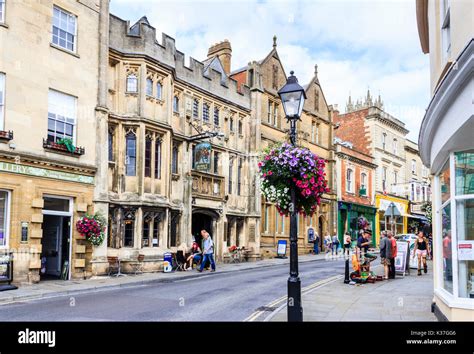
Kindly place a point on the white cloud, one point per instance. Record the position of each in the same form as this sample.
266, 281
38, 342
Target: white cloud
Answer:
356, 44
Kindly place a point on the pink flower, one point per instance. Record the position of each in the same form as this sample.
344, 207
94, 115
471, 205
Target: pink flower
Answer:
270, 173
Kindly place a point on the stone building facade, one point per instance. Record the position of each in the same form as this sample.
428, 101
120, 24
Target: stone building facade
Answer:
48, 95
114, 123
155, 195
315, 132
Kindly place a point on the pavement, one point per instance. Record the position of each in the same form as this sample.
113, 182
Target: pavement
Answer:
405, 298
53, 288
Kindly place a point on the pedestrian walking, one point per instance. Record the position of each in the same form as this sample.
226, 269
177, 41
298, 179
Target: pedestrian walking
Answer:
327, 242
422, 248
208, 251
393, 255
385, 253
316, 244
347, 243
335, 245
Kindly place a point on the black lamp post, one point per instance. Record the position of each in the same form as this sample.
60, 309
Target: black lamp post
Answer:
292, 96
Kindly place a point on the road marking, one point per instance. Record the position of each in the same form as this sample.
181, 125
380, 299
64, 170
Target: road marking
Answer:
304, 290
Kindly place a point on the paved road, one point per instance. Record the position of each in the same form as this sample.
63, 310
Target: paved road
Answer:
209, 297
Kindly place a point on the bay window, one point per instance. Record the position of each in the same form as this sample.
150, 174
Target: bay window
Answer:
132, 83
149, 87
205, 112
159, 90
176, 104
157, 158
148, 142
131, 154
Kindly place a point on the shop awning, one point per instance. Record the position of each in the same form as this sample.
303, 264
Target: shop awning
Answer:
413, 216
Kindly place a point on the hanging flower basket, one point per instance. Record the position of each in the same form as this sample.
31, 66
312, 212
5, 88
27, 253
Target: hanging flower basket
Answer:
93, 228
286, 165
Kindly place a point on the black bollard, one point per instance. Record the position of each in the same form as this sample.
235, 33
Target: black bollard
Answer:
346, 276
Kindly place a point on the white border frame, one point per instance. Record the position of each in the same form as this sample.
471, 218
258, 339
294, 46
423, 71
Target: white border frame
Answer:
7, 219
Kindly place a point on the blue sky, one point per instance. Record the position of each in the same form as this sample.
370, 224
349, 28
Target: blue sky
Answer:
356, 44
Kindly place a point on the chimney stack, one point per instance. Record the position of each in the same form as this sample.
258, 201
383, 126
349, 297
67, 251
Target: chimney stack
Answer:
223, 51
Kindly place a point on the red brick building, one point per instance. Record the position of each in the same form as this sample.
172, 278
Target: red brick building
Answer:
356, 171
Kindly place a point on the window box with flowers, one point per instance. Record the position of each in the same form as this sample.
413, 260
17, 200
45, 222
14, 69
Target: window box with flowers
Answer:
63, 146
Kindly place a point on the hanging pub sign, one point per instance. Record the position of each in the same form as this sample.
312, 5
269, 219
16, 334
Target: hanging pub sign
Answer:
202, 157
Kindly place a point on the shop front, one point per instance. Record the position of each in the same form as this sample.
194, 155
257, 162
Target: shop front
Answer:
38, 211
447, 147
384, 220
354, 217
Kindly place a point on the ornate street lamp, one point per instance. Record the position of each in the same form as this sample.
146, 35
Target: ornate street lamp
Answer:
292, 96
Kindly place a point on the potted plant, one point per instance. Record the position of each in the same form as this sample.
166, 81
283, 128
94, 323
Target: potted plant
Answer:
286, 165
66, 142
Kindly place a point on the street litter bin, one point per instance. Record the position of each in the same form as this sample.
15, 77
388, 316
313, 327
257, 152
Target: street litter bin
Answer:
167, 262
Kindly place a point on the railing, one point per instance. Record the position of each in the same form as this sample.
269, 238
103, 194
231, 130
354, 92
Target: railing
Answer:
50, 145
6, 135
208, 186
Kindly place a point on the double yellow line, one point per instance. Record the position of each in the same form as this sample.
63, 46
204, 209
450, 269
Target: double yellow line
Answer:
274, 303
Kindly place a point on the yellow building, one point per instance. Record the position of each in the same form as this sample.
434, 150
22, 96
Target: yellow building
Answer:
398, 224
48, 95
